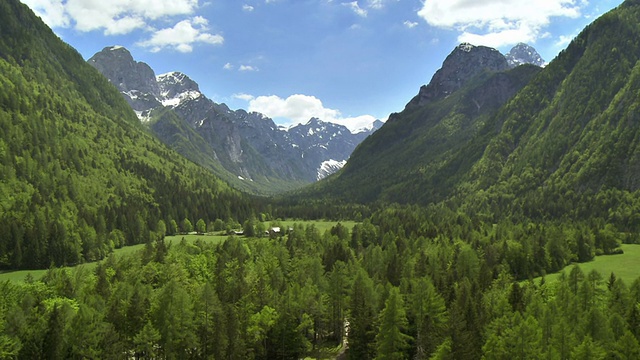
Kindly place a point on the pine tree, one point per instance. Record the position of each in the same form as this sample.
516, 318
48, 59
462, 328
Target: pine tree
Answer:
391, 341
361, 317
430, 313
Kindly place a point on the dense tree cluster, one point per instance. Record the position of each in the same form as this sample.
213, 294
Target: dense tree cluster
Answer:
405, 283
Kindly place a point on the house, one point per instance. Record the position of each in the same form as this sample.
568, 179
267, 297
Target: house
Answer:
274, 231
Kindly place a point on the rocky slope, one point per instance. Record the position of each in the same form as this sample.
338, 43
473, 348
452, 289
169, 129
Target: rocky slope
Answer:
249, 145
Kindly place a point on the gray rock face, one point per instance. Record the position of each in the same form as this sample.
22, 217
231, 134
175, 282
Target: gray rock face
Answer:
524, 54
249, 145
136, 80
467, 61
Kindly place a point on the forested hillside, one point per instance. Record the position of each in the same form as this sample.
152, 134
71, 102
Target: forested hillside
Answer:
568, 143
80, 175
419, 155
564, 143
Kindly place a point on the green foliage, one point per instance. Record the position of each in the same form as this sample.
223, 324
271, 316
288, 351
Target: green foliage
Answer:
392, 342
80, 175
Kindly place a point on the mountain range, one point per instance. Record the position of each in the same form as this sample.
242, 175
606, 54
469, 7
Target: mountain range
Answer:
246, 148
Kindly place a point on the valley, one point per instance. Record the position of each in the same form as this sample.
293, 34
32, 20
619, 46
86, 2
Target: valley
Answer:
500, 170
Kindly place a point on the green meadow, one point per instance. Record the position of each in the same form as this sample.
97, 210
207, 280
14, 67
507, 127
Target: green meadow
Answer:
625, 266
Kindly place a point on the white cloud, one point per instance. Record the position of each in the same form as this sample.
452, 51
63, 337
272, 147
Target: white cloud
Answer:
497, 22
298, 109
118, 17
410, 24
228, 66
565, 40
243, 96
52, 12
247, 68
356, 8
247, 7
113, 17
182, 36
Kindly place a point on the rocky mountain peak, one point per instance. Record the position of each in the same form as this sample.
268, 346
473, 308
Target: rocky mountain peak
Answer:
524, 54
174, 83
176, 87
136, 80
117, 64
465, 62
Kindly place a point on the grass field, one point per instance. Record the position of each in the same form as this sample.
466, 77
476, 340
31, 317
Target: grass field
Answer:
19, 276
322, 226
625, 266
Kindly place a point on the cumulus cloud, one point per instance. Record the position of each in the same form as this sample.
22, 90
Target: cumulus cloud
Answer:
228, 66
182, 36
298, 109
247, 7
52, 12
113, 17
118, 17
497, 22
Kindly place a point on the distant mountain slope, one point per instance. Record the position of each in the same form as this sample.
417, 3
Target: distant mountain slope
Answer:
80, 174
254, 153
420, 154
563, 140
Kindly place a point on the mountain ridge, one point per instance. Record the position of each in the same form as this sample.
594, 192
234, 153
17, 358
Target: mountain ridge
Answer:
564, 136
247, 145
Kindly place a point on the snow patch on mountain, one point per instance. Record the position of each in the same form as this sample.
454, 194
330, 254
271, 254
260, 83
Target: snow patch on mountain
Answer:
176, 100
329, 167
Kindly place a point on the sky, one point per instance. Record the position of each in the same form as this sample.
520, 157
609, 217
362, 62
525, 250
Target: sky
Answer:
343, 61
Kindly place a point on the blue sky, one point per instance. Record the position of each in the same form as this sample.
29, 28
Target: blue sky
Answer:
340, 60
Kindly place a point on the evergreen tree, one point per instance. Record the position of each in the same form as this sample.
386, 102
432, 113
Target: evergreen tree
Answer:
361, 317
430, 314
173, 316
392, 342
146, 342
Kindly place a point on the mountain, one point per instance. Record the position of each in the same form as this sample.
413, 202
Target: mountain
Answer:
524, 54
247, 149
563, 140
421, 153
80, 174
463, 64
